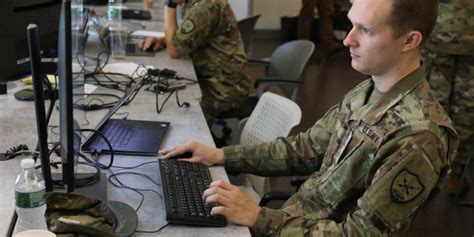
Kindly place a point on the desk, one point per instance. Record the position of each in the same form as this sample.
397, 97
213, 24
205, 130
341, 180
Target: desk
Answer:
17, 126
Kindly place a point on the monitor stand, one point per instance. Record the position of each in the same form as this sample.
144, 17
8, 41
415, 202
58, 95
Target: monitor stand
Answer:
27, 94
97, 190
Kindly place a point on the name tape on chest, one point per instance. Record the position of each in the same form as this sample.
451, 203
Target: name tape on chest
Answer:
367, 131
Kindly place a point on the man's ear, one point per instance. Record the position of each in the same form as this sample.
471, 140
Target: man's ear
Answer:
412, 40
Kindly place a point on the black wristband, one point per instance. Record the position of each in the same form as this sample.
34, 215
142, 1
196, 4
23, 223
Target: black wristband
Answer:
171, 4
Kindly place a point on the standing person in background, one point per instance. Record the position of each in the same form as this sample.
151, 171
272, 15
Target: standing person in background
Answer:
325, 12
209, 35
449, 57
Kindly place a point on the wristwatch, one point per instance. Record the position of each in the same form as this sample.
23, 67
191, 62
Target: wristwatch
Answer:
171, 4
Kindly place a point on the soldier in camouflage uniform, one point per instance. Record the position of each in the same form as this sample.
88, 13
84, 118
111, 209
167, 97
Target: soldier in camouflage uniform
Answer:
374, 158
325, 12
209, 35
449, 56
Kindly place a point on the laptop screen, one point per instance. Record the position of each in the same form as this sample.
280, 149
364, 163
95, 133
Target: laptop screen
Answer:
117, 106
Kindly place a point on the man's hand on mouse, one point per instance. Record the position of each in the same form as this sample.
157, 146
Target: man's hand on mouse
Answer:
151, 44
201, 153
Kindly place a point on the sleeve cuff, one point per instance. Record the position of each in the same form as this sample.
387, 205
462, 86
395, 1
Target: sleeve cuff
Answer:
268, 222
232, 159
181, 48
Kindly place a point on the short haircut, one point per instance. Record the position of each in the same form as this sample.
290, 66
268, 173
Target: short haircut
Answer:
419, 15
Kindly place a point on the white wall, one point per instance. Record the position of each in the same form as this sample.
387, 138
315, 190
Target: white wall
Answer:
272, 10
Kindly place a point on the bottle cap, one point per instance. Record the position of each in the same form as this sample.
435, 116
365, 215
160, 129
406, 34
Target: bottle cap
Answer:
27, 163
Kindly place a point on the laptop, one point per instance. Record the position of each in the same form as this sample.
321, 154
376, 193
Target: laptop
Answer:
136, 14
127, 137
132, 49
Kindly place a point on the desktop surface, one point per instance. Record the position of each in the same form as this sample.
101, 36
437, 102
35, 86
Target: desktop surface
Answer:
18, 127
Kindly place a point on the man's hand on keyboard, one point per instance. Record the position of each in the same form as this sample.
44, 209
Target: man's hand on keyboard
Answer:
232, 203
200, 153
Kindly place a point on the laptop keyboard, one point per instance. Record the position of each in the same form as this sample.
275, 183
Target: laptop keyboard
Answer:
118, 133
132, 49
183, 184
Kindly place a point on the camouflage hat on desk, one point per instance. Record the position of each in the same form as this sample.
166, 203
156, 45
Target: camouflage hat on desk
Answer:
70, 214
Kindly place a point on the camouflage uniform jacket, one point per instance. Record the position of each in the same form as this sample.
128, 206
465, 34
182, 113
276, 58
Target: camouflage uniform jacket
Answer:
454, 30
209, 35
372, 165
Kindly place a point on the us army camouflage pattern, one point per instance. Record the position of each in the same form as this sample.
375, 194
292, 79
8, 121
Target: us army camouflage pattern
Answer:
449, 58
401, 145
454, 29
69, 213
209, 35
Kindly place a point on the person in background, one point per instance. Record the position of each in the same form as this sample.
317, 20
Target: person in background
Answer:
374, 158
326, 31
210, 37
449, 56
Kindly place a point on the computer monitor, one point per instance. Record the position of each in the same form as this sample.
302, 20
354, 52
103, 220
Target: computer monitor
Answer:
69, 125
41, 119
15, 16
70, 139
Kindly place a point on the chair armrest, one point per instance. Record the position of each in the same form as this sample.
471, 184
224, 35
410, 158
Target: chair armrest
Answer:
238, 131
297, 183
259, 62
274, 195
261, 85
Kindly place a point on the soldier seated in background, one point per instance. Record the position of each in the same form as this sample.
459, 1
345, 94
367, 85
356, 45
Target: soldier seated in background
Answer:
209, 35
373, 159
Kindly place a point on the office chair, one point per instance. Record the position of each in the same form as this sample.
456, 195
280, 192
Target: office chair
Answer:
463, 178
274, 116
247, 27
283, 72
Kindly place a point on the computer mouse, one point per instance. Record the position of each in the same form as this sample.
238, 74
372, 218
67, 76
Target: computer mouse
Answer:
184, 155
150, 49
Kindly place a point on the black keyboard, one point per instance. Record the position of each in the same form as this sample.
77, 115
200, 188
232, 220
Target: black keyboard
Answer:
136, 14
183, 184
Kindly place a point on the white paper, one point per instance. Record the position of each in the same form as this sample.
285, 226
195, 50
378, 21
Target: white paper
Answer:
127, 68
89, 88
147, 33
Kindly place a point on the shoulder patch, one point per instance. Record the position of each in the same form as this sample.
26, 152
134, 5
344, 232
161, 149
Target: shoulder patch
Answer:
188, 26
406, 186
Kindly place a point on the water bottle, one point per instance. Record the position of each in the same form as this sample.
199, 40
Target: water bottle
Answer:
117, 33
29, 198
114, 14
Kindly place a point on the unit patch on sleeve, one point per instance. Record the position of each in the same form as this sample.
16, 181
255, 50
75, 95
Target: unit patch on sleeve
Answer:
188, 26
405, 187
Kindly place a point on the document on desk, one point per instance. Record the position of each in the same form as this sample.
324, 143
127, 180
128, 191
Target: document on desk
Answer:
126, 68
143, 34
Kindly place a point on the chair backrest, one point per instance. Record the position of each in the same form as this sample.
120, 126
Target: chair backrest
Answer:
288, 62
246, 27
274, 116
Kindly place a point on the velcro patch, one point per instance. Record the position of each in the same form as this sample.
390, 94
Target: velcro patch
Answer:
405, 187
188, 26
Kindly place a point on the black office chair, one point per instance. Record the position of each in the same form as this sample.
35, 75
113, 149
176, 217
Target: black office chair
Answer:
283, 71
247, 27
458, 198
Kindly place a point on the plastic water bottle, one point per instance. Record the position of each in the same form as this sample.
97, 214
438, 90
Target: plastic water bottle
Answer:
29, 198
114, 14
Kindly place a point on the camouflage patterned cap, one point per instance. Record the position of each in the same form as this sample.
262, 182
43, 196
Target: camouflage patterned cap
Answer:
71, 213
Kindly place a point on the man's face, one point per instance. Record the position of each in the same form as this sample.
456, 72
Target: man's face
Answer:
374, 49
